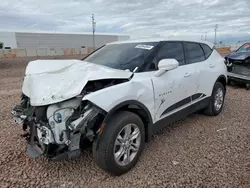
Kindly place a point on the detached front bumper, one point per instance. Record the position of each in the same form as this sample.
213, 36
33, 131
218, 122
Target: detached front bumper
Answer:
22, 116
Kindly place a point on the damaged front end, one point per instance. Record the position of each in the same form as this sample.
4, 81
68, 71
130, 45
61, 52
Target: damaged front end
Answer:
238, 69
54, 112
238, 65
56, 130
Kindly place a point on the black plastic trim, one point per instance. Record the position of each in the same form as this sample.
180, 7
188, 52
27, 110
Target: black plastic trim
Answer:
148, 131
177, 105
197, 95
182, 103
224, 78
180, 114
129, 102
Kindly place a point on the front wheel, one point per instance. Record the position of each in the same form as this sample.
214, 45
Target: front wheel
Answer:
216, 101
120, 144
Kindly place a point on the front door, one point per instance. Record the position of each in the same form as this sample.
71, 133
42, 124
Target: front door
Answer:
174, 89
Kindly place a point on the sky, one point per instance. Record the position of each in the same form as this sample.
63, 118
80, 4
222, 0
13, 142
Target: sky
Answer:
137, 18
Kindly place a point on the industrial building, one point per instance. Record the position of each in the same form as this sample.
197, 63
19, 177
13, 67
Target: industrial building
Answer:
25, 43
55, 39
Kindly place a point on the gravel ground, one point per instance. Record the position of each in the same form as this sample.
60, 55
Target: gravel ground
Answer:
199, 151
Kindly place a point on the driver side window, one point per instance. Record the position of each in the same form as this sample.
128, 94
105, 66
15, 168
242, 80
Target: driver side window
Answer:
170, 50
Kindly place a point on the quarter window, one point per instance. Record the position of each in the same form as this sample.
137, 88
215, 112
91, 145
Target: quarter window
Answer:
194, 52
171, 50
207, 50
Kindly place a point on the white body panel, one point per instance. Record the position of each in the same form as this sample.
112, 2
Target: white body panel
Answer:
52, 81
174, 86
210, 70
139, 88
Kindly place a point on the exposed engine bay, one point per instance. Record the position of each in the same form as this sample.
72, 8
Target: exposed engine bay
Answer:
56, 130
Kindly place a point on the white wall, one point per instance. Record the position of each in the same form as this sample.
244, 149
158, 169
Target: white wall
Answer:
59, 40
9, 39
55, 40
123, 37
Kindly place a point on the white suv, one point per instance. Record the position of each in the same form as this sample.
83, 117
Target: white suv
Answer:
117, 97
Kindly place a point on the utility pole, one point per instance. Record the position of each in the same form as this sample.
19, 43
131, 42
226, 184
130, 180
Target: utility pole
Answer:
93, 28
215, 32
205, 36
201, 37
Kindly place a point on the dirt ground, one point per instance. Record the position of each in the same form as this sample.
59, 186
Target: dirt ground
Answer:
199, 151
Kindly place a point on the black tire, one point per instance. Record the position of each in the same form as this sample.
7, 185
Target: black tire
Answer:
211, 110
103, 146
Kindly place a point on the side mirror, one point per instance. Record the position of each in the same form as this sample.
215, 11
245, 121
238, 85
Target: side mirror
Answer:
166, 65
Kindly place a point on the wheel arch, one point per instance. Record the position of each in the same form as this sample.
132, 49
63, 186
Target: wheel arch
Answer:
222, 79
139, 109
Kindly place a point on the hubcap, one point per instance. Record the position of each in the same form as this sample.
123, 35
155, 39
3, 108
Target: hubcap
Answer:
127, 144
218, 102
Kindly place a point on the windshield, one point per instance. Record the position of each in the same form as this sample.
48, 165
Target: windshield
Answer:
244, 48
122, 56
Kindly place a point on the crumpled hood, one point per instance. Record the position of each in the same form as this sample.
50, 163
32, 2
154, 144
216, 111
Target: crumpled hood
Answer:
238, 55
51, 81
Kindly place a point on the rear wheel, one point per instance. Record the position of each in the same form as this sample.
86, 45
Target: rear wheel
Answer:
216, 101
120, 144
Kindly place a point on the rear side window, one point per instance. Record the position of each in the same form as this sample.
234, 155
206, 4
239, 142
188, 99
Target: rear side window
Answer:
207, 50
194, 52
173, 50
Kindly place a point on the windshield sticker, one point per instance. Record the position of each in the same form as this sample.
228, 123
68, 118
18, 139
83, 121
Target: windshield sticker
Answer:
143, 46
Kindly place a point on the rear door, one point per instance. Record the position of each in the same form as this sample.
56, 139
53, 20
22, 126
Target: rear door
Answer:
194, 58
208, 70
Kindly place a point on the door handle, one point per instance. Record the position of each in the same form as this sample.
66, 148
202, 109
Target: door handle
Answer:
187, 74
211, 65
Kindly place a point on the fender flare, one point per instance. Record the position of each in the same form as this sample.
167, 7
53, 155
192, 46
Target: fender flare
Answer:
125, 103
148, 128
222, 76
